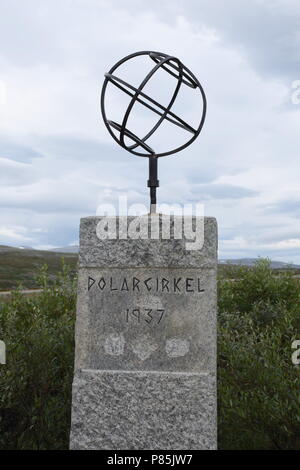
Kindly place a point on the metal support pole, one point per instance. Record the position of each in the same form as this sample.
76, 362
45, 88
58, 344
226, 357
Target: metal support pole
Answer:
153, 182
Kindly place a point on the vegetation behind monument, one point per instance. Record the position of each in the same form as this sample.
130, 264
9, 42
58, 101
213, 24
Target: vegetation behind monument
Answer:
258, 386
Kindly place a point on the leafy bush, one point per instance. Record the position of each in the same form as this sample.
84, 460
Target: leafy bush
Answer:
258, 386
36, 381
260, 283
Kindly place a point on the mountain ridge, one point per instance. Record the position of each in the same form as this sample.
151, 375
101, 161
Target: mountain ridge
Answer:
73, 249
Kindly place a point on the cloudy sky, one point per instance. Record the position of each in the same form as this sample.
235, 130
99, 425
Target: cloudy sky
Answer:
58, 162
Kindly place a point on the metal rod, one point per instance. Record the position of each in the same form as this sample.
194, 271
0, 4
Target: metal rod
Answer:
153, 182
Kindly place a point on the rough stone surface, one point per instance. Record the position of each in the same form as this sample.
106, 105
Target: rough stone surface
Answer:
170, 328
160, 252
143, 410
145, 362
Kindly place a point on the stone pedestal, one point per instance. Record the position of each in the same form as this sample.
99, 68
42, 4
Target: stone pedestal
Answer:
145, 362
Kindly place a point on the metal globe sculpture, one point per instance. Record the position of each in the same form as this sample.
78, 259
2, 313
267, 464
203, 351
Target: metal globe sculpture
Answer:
139, 145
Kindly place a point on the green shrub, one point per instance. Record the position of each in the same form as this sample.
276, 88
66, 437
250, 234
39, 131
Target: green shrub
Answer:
36, 381
259, 283
258, 386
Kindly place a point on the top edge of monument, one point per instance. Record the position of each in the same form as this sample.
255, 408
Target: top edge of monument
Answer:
160, 241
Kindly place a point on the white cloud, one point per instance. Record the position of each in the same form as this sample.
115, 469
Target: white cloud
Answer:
3, 93
244, 163
14, 233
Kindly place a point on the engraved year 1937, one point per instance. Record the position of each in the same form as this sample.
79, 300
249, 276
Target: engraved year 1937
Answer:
148, 315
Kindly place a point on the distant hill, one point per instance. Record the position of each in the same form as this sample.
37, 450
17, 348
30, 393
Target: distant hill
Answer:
5, 248
238, 262
66, 249
251, 262
21, 265
74, 249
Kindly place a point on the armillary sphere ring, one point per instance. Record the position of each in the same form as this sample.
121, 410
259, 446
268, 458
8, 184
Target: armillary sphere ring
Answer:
177, 69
